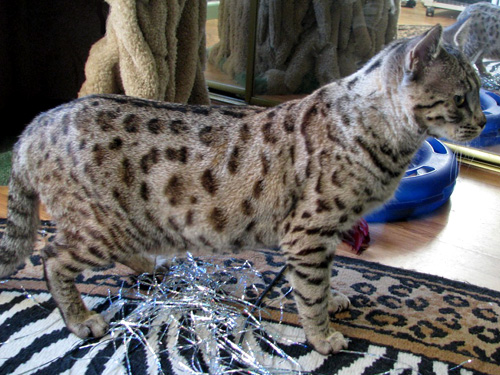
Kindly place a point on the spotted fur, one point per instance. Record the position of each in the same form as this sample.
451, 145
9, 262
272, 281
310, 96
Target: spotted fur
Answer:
125, 178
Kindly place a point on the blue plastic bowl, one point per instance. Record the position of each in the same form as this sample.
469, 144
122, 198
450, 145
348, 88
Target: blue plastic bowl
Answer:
427, 184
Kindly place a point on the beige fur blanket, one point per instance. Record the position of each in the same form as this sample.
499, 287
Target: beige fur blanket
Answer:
152, 49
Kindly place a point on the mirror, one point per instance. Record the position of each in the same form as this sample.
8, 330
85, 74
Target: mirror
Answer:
265, 52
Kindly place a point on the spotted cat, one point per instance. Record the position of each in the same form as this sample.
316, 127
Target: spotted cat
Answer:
126, 178
477, 30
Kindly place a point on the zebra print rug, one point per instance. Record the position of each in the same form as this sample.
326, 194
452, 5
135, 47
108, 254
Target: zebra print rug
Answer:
400, 323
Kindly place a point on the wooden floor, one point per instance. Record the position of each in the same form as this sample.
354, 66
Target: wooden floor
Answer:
459, 241
416, 16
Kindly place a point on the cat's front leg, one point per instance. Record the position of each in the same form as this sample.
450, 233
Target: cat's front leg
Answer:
309, 253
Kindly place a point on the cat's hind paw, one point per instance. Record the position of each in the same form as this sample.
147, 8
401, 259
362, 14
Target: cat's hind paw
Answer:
162, 264
337, 302
334, 343
93, 326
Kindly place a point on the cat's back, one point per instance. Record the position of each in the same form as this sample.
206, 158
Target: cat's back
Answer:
96, 116
97, 129
482, 11
96, 145
484, 25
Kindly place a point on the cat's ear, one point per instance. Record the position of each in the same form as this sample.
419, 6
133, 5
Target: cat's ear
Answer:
424, 50
460, 36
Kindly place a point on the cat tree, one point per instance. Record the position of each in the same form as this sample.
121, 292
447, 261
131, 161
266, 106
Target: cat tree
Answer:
152, 49
301, 45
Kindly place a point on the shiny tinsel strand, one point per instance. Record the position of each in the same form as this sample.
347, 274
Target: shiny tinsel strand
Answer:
491, 80
206, 305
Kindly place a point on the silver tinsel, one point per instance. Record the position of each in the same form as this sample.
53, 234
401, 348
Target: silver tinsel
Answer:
491, 81
207, 307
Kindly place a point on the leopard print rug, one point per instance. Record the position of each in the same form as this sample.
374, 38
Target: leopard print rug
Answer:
401, 322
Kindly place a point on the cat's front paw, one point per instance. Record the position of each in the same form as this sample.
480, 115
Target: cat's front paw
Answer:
332, 344
337, 302
93, 326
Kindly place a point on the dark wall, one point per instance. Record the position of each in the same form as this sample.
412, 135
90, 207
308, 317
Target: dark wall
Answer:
43, 49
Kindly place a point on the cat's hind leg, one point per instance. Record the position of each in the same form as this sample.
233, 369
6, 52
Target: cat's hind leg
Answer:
61, 266
145, 263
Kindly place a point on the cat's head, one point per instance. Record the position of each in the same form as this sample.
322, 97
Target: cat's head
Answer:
442, 87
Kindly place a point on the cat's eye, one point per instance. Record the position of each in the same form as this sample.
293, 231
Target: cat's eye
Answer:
459, 100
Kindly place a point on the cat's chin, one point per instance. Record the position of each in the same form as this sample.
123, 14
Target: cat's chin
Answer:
439, 134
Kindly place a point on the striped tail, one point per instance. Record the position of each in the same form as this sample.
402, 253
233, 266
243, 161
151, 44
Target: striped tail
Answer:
22, 224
